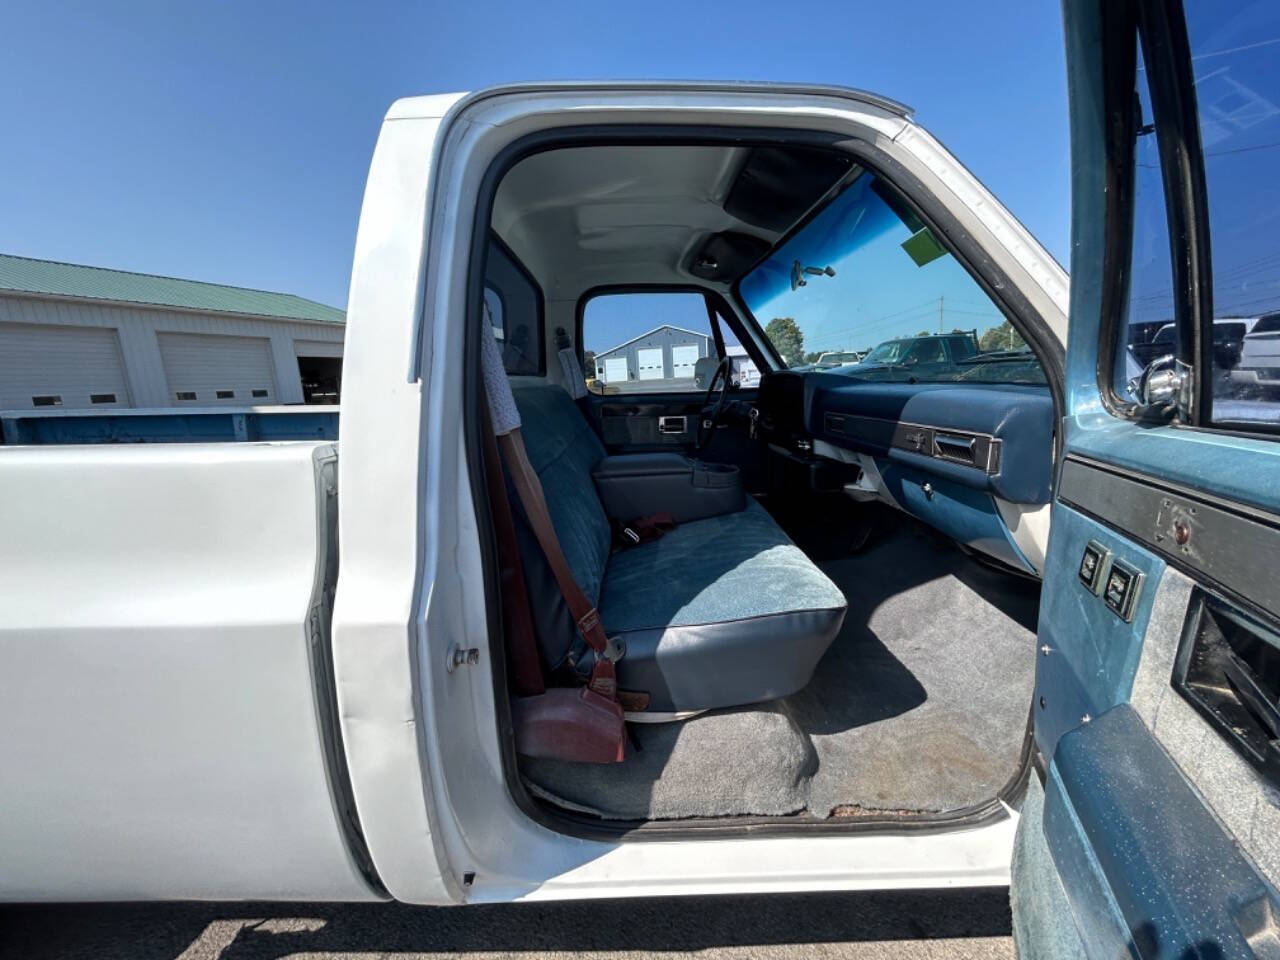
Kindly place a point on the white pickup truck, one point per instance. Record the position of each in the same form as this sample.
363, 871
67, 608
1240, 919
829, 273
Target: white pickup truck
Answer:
818, 610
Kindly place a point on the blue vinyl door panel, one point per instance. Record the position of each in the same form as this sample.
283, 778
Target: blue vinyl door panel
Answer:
1147, 867
1162, 833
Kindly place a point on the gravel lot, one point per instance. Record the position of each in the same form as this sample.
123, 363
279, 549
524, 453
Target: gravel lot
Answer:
922, 924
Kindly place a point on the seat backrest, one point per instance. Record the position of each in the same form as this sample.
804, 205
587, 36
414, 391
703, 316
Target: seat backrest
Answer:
563, 450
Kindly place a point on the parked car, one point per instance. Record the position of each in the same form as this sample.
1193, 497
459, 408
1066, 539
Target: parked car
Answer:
1001, 366
403, 665
1258, 358
1229, 336
1164, 342
838, 358
924, 356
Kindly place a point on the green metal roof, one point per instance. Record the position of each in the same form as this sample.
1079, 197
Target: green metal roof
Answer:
50, 278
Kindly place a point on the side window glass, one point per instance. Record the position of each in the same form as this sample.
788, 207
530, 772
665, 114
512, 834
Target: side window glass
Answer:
513, 307
1237, 83
1148, 333
646, 342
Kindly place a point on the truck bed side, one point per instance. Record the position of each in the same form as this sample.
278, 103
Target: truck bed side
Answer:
164, 608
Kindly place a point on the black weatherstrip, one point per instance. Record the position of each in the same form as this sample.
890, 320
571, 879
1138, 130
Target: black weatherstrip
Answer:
324, 678
1173, 99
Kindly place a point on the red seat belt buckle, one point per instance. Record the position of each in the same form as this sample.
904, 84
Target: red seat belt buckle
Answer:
604, 679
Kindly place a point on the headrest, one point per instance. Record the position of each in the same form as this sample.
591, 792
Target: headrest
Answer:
502, 405
574, 381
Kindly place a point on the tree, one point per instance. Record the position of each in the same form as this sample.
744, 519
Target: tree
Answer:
1003, 337
923, 333
787, 338
589, 363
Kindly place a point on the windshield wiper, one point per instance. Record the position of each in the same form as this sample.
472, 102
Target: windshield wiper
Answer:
1002, 357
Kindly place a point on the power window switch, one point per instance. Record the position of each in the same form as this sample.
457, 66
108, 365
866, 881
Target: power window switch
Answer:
1121, 594
1093, 565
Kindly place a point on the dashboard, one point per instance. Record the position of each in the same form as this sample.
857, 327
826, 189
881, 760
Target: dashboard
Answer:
970, 459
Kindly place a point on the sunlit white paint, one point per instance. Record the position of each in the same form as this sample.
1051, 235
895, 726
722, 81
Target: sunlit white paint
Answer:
156, 696
160, 728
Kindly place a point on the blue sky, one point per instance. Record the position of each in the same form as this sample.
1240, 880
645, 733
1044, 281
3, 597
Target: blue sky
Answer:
229, 141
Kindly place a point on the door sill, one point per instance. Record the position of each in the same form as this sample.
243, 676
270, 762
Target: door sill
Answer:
954, 857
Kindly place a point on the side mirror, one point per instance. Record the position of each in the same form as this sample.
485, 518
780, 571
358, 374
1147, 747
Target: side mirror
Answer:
703, 371
1156, 384
1164, 383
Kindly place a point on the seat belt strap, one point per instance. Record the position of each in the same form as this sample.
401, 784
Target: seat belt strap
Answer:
585, 616
522, 644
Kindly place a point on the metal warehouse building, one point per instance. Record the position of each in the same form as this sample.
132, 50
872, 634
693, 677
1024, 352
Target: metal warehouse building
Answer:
87, 338
664, 353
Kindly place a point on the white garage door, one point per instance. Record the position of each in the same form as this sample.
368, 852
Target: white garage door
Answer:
318, 348
649, 362
615, 369
56, 366
683, 359
216, 369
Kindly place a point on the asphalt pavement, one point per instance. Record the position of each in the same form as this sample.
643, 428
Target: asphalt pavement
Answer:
956, 925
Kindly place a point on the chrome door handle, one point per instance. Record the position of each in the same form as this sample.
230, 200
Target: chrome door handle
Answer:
672, 424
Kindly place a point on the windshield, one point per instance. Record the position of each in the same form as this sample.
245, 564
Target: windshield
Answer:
867, 274
890, 352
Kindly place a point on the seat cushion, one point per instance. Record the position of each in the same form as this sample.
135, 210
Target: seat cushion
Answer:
719, 612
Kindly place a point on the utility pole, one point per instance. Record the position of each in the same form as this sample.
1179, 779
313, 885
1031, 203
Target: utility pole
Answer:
940, 299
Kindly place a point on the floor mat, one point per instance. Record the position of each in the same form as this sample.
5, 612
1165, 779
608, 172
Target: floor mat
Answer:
920, 704
750, 760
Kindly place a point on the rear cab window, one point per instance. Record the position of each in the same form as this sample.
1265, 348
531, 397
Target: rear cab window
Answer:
513, 307
866, 278
656, 342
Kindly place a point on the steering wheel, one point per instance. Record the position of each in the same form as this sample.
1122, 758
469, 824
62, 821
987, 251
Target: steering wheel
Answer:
711, 413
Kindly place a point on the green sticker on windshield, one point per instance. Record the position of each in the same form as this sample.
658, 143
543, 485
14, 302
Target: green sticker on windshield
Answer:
922, 247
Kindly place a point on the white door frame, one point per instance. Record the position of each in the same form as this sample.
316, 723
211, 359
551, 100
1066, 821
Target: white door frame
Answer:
454, 808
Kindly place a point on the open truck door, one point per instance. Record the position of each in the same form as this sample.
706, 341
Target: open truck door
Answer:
1155, 711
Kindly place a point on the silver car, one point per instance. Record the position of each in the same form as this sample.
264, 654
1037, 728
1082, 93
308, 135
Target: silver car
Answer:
1260, 354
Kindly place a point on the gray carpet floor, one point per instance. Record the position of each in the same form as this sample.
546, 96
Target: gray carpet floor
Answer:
920, 705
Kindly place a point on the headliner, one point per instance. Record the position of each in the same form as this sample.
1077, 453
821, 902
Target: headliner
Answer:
580, 217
